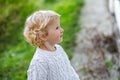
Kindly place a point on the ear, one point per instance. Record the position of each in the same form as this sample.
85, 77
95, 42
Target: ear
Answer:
42, 36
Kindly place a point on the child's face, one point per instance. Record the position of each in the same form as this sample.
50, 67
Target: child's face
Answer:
55, 32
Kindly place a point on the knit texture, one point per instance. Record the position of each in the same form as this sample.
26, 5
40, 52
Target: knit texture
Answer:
51, 65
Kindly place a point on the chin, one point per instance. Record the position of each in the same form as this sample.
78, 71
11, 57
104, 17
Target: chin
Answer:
60, 40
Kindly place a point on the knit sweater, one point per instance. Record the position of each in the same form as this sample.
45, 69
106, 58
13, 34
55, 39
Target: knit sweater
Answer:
51, 65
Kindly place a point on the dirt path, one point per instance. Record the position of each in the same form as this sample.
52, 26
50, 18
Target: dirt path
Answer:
95, 19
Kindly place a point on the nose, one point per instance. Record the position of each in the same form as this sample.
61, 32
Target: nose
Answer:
62, 30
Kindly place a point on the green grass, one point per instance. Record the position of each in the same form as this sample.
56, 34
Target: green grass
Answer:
15, 59
109, 64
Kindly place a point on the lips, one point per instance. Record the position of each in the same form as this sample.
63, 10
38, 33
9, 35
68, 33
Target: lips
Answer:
61, 36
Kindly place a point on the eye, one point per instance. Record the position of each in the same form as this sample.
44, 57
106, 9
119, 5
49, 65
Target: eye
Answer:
57, 27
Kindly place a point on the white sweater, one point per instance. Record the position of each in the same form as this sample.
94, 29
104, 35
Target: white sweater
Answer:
51, 65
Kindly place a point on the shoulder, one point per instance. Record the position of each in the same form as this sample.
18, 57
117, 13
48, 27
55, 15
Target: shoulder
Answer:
39, 57
36, 63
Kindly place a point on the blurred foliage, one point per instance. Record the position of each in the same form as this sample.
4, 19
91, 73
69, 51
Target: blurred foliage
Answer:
12, 17
109, 64
118, 78
15, 52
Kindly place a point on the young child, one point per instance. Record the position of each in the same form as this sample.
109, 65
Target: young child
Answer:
50, 62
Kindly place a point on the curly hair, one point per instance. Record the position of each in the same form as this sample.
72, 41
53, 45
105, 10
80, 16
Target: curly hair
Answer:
36, 23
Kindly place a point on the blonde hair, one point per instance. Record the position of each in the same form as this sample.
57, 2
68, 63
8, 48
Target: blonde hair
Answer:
37, 22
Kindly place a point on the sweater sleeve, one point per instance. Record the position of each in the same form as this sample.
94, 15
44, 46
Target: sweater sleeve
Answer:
37, 71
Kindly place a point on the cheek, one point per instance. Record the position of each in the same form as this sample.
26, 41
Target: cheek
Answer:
54, 35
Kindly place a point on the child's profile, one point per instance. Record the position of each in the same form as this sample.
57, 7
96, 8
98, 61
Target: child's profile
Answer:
50, 62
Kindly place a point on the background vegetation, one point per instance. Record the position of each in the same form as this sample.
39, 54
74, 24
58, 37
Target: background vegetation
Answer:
15, 52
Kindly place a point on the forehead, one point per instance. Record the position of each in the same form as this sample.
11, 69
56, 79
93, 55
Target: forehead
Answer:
53, 23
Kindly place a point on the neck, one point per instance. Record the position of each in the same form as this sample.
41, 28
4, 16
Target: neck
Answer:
48, 46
